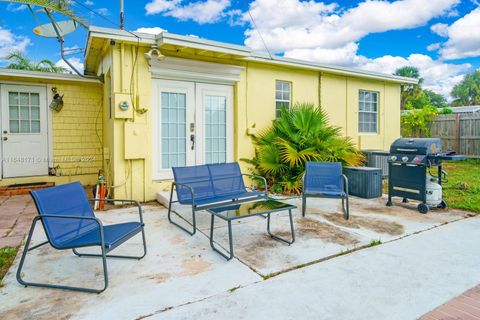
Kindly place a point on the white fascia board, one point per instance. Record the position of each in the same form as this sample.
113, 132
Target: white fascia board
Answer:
202, 44
44, 75
121, 35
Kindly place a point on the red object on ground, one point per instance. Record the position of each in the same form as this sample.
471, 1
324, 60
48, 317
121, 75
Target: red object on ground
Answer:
465, 306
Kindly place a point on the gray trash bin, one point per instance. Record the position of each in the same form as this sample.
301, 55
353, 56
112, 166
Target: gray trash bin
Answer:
364, 182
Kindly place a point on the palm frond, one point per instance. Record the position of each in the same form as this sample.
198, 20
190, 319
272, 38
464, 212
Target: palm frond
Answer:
59, 6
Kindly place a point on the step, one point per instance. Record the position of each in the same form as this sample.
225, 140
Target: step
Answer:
24, 188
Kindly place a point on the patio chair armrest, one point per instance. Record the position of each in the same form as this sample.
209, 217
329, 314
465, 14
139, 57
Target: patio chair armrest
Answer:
192, 192
345, 183
258, 177
303, 182
137, 203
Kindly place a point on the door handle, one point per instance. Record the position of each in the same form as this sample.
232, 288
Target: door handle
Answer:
192, 139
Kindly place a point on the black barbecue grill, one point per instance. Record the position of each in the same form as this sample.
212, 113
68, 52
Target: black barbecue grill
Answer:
408, 163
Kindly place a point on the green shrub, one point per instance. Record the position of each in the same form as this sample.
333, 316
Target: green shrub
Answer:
446, 110
299, 135
417, 122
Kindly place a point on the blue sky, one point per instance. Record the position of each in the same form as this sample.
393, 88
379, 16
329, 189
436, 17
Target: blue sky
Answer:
440, 37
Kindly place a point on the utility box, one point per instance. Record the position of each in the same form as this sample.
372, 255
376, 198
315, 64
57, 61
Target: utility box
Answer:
136, 144
377, 159
364, 182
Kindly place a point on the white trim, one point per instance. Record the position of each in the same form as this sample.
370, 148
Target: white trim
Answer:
193, 70
188, 88
202, 89
49, 126
44, 75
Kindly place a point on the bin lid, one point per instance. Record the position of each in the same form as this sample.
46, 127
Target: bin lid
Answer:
363, 168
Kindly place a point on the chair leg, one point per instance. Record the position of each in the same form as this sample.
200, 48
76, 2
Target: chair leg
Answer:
46, 285
345, 207
173, 222
113, 255
304, 205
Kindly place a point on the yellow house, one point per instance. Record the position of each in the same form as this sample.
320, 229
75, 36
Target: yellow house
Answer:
171, 100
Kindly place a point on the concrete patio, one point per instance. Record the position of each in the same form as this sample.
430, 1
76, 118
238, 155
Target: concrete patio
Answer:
181, 277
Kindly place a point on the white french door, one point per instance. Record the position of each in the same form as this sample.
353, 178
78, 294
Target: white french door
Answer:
24, 142
193, 124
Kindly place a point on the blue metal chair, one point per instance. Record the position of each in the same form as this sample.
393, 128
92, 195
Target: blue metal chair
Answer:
210, 185
325, 180
70, 223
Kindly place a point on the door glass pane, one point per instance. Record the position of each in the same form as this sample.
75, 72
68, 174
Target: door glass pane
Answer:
24, 112
215, 129
34, 99
13, 98
173, 129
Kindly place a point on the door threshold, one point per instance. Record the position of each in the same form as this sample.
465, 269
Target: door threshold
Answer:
23, 188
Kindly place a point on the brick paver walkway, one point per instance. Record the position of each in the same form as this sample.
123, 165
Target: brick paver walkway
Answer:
16, 214
464, 307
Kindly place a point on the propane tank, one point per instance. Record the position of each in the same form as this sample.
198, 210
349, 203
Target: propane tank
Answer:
434, 191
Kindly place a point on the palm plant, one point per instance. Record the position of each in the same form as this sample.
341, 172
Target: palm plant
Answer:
299, 135
19, 61
59, 6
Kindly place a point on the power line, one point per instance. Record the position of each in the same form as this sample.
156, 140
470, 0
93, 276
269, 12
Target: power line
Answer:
259, 33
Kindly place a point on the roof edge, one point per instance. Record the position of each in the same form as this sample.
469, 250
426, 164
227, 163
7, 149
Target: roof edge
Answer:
244, 52
44, 75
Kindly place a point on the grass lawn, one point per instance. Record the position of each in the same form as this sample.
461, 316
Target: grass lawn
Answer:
7, 255
462, 191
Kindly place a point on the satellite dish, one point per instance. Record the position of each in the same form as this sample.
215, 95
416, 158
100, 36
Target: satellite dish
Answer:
48, 31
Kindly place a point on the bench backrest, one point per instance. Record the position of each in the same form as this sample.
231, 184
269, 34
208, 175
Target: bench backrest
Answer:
68, 200
326, 176
208, 181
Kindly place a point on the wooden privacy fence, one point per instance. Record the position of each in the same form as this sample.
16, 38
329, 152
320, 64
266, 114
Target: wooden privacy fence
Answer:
459, 132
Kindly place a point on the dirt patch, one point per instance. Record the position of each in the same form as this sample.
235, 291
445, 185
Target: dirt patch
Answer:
357, 222
56, 304
194, 266
158, 277
176, 240
256, 253
310, 228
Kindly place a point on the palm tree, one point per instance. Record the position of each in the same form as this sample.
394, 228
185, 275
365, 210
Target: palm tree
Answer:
409, 90
19, 61
299, 135
467, 92
59, 6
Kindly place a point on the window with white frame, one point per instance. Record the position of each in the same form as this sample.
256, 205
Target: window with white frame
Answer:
367, 111
282, 96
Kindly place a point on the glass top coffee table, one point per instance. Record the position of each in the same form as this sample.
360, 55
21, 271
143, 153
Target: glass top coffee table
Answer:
245, 210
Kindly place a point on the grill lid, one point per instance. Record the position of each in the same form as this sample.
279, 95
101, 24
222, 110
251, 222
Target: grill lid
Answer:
423, 146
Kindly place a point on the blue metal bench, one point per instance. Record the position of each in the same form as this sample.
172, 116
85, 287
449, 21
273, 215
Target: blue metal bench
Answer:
325, 180
70, 223
210, 185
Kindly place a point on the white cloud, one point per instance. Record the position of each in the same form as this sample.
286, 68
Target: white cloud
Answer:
89, 3
202, 12
103, 11
438, 75
463, 37
309, 24
440, 29
152, 30
433, 46
12, 7
76, 62
10, 42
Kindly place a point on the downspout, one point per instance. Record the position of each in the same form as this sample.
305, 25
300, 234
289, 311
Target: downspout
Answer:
62, 53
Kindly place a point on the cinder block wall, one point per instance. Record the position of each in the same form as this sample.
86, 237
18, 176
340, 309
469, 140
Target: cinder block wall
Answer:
78, 130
